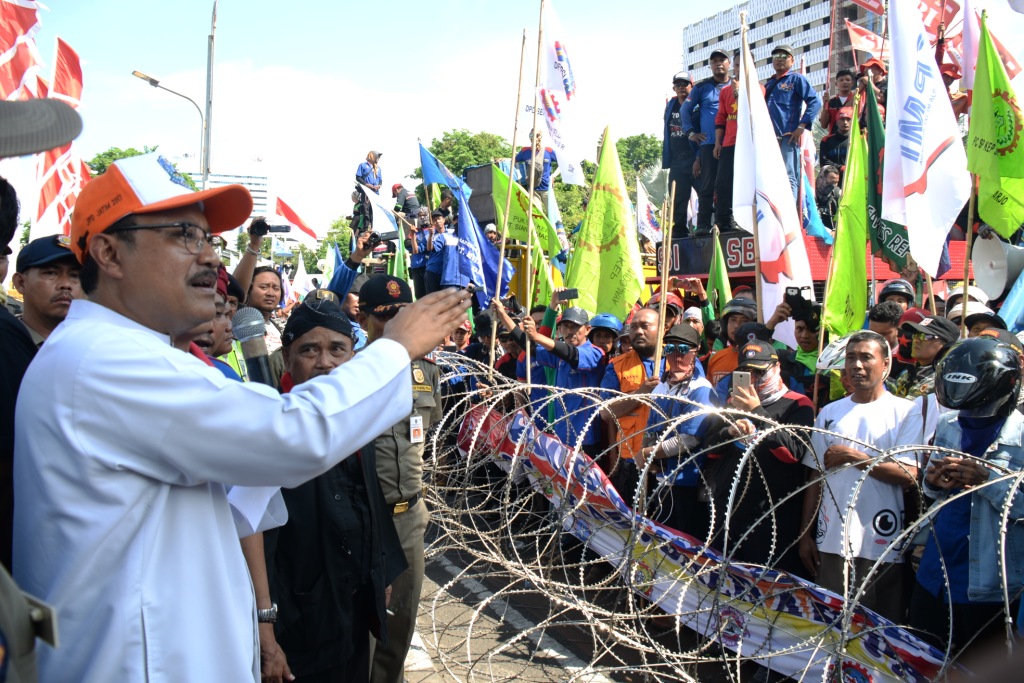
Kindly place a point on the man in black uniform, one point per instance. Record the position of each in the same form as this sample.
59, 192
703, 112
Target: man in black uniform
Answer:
678, 153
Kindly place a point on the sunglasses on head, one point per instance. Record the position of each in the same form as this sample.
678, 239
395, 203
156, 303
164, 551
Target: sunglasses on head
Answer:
681, 349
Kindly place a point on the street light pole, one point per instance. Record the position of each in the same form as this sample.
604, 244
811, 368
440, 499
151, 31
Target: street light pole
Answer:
208, 121
202, 121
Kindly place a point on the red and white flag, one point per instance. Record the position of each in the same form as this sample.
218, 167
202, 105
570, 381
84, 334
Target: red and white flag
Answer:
867, 41
925, 181
761, 188
19, 59
60, 173
304, 234
876, 6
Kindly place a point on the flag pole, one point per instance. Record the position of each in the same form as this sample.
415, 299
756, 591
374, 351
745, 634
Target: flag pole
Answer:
533, 180
753, 207
821, 323
666, 246
967, 257
508, 207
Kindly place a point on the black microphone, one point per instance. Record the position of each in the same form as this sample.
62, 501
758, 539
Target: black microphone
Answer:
249, 329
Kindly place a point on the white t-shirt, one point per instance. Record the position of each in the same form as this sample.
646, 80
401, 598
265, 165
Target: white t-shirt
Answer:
876, 517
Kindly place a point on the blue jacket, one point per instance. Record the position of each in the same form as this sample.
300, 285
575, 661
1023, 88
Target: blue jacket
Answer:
699, 395
704, 97
785, 97
574, 408
988, 503
666, 145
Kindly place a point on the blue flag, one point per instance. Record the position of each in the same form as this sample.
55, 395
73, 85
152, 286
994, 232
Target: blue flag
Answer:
1012, 309
811, 218
434, 172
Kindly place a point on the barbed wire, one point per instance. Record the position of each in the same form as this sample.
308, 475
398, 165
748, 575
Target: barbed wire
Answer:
539, 525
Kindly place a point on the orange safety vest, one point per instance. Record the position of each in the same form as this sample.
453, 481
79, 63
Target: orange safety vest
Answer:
630, 428
722, 363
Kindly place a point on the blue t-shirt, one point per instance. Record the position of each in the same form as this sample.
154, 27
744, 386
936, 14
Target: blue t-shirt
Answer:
704, 97
525, 156
577, 408
700, 392
435, 255
451, 274
420, 260
366, 175
952, 524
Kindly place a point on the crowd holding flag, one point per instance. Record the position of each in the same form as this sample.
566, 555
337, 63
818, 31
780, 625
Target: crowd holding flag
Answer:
925, 179
606, 267
994, 150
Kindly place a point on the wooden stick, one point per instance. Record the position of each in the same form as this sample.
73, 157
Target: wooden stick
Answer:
931, 299
504, 221
533, 181
666, 250
967, 261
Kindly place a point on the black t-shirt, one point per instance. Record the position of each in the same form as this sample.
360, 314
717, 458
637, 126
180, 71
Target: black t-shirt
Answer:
678, 143
833, 150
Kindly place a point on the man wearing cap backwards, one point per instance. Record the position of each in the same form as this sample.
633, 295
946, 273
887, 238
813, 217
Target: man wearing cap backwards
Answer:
329, 566
677, 502
124, 525
859, 511
792, 106
763, 528
704, 97
578, 364
400, 471
678, 153
47, 278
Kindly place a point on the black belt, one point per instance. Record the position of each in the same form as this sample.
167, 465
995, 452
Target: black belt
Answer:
405, 505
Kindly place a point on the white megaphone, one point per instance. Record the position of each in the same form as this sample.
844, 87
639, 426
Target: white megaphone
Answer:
997, 265
321, 265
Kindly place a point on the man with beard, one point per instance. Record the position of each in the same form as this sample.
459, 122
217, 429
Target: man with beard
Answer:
858, 499
47, 278
677, 393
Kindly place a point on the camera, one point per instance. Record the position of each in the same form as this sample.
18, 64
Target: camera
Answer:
259, 227
373, 240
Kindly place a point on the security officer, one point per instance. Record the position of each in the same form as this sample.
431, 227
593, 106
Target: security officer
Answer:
47, 279
400, 472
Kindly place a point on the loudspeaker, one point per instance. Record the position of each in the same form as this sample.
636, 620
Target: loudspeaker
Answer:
480, 202
997, 265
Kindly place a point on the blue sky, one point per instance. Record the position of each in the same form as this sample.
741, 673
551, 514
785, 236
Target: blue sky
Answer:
303, 90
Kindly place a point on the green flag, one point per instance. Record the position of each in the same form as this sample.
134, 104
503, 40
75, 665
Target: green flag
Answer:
994, 150
846, 297
399, 265
719, 290
518, 219
888, 240
606, 265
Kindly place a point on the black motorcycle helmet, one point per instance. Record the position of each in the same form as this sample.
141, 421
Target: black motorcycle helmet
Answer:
899, 287
980, 377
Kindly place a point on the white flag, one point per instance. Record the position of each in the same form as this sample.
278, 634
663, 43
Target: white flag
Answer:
925, 181
970, 42
646, 220
761, 185
556, 100
302, 284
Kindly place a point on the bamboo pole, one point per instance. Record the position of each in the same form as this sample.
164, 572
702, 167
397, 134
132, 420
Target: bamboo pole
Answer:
967, 259
533, 181
508, 207
666, 250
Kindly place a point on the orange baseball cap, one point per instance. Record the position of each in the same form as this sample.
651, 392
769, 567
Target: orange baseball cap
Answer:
149, 184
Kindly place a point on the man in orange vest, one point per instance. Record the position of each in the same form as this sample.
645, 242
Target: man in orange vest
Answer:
632, 373
738, 311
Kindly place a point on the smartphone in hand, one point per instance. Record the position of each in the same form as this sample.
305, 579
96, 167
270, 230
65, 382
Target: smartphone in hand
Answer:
569, 294
741, 378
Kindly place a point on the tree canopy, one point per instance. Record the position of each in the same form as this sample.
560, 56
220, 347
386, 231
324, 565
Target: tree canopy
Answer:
460, 149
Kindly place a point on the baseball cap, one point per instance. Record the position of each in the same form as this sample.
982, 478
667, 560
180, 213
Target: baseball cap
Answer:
718, 52
222, 281
950, 70
671, 299
235, 288
943, 328
693, 313
993, 319
490, 228
846, 113
913, 315
30, 126
1004, 336
788, 49
575, 314
149, 183
436, 213
44, 250
682, 76
383, 293
466, 325
395, 188
753, 331
681, 333
874, 61
757, 355
740, 305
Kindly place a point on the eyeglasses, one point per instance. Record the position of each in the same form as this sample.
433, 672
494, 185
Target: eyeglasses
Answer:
192, 236
921, 336
681, 349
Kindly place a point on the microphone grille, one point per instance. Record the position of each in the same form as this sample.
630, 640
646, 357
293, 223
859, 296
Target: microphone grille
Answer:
248, 324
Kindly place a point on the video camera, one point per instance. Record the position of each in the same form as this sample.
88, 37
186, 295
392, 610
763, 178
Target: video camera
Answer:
259, 227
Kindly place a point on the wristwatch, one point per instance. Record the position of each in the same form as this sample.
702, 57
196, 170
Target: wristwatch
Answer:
267, 616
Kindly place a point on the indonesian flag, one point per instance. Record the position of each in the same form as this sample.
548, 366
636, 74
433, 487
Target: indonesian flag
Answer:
761, 188
60, 172
925, 181
19, 58
304, 234
866, 41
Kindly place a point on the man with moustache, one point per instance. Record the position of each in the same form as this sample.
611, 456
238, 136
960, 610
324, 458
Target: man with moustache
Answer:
47, 278
122, 521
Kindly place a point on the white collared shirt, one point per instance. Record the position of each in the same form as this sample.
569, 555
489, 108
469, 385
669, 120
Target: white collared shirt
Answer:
123, 448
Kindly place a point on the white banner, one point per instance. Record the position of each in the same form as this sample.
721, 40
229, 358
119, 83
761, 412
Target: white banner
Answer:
646, 220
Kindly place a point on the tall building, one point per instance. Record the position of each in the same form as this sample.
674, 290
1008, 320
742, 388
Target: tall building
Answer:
256, 184
815, 29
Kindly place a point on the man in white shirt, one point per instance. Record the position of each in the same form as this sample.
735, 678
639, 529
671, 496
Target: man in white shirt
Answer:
121, 452
859, 502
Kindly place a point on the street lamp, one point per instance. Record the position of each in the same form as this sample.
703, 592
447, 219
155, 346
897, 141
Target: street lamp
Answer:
202, 119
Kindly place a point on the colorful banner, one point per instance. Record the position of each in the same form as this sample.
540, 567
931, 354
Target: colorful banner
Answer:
774, 617
646, 216
518, 220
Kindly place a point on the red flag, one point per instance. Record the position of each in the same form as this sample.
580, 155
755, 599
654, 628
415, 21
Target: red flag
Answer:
289, 215
867, 41
19, 21
876, 6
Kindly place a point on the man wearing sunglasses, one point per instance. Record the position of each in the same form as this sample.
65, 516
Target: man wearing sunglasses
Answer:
792, 106
126, 445
932, 338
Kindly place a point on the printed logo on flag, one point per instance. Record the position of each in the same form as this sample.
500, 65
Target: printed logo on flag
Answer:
566, 70
1008, 121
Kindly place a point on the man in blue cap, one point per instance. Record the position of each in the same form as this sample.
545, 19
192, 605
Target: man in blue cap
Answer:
47, 279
